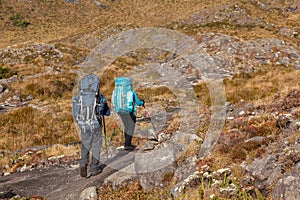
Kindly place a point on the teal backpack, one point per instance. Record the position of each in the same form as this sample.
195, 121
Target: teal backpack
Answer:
122, 97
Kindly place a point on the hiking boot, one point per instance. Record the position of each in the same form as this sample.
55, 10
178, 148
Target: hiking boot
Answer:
96, 171
83, 171
129, 147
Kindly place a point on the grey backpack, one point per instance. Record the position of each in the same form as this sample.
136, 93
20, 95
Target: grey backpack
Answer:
85, 104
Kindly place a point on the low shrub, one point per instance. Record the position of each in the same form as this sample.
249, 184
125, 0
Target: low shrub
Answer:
27, 127
48, 87
19, 20
6, 72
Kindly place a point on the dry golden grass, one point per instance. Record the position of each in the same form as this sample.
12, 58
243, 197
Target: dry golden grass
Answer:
28, 126
292, 138
192, 194
202, 93
46, 86
192, 150
29, 69
296, 112
59, 150
51, 122
131, 190
258, 88
48, 17
173, 124
4, 161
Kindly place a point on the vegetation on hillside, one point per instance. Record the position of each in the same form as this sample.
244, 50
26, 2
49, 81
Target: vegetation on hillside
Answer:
74, 29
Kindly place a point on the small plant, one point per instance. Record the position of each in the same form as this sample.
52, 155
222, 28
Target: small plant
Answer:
218, 24
238, 153
18, 20
225, 182
202, 184
202, 93
259, 195
6, 72
167, 178
199, 144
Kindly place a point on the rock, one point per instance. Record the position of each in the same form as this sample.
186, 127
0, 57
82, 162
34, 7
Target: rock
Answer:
149, 145
249, 107
288, 32
101, 5
12, 79
6, 174
16, 98
283, 121
295, 125
121, 177
288, 185
74, 166
154, 166
163, 137
247, 180
219, 174
188, 167
53, 160
205, 168
152, 135
229, 107
225, 48
230, 191
71, 1
216, 184
242, 113
207, 175
1, 88
193, 180
89, 194
265, 171
16, 197
29, 97
258, 139
184, 139
24, 168
40, 54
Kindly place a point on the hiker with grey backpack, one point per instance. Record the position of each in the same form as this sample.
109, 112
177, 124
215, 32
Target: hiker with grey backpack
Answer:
89, 109
124, 102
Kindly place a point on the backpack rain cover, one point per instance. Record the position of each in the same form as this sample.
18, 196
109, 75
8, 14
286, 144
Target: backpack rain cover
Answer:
122, 97
84, 105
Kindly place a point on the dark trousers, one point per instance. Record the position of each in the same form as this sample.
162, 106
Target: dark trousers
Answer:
129, 120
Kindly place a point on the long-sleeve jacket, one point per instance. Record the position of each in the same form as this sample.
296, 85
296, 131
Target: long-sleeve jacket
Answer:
136, 101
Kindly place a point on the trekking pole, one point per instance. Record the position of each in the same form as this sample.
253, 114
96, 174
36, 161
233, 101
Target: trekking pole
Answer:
105, 136
149, 116
114, 131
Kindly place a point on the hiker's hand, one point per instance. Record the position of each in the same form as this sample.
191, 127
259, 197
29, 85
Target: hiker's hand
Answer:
143, 103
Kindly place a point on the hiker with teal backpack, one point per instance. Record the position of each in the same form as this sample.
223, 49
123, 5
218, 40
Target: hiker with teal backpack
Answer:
124, 102
89, 109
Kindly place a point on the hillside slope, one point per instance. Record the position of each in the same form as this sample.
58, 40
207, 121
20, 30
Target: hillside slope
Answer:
252, 46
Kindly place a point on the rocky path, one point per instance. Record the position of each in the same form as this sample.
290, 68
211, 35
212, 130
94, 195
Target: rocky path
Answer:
60, 181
